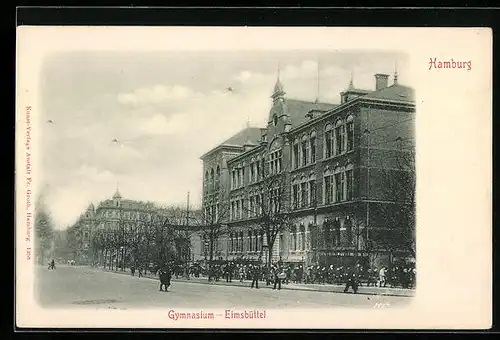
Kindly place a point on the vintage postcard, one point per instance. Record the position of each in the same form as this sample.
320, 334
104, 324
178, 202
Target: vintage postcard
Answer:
225, 177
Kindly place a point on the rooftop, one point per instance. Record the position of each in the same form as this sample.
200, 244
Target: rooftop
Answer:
251, 134
394, 92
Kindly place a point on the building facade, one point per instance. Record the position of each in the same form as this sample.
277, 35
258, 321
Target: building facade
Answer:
132, 223
337, 161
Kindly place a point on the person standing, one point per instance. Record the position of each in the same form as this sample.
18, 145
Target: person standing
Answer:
279, 275
165, 277
256, 273
382, 277
352, 280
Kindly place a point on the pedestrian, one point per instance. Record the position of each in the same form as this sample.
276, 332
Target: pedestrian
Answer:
382, 277
132, 270
241, 273
352, 280
140, 271
256, 273
165, 277
279, 276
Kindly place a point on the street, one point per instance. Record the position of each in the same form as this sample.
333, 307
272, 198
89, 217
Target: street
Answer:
84, 287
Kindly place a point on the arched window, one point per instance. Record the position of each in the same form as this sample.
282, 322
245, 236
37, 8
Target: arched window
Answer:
304, 151
350, 132
295, 154
250, 241
212, 182
302, 237
314, 236
349, 181
339, 137
336, 232
327, 235
348, 228
340, 183
328, 141
304, 192
312, 143
293, 235
242, 245
231, 242
217, 178
328, 187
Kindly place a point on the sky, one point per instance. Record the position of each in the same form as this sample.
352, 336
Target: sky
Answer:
166, 109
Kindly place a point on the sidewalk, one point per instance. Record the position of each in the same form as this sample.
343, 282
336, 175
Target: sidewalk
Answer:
387, 291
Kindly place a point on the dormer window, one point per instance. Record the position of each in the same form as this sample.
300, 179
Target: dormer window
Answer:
275, 119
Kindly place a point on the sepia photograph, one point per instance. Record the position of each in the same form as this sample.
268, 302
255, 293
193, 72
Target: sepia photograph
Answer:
224, 184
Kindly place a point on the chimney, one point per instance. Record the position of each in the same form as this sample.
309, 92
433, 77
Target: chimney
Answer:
381, 81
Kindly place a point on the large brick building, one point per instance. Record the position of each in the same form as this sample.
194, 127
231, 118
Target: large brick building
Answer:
337, 160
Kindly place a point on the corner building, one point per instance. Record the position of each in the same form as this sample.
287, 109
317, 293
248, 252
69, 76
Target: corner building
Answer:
334, 157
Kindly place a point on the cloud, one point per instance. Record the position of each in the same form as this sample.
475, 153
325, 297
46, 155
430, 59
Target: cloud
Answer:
155, 94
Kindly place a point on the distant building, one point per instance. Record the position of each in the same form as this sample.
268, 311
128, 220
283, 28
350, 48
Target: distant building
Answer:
121, 216
334, 156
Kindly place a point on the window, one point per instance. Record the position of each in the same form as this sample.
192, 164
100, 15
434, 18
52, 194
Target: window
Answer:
275, 159
349, 231
295, 195
328, 141
350, 133
242, 183
212, 182
312, 142
293, 235
238, 209
242, 246
349, 184
258, 203
296, 154
340, 139
312, 192
251, 207
337, 233
327, 234
258, 168
217, 178
275, 119
329, 186
304, 151
303, 194
302, 237
250, 243
339, 186
252, 172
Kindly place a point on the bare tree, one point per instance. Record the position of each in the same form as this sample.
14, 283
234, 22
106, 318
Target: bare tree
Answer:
211, 220
395, 231
273, 206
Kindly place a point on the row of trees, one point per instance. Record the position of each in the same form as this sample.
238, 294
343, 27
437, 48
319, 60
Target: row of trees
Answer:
44, 232
159, 236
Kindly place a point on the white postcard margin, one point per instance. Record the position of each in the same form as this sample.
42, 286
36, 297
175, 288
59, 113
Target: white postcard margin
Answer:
454, 177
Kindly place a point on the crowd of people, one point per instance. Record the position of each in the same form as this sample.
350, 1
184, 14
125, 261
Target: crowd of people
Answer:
396, 276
